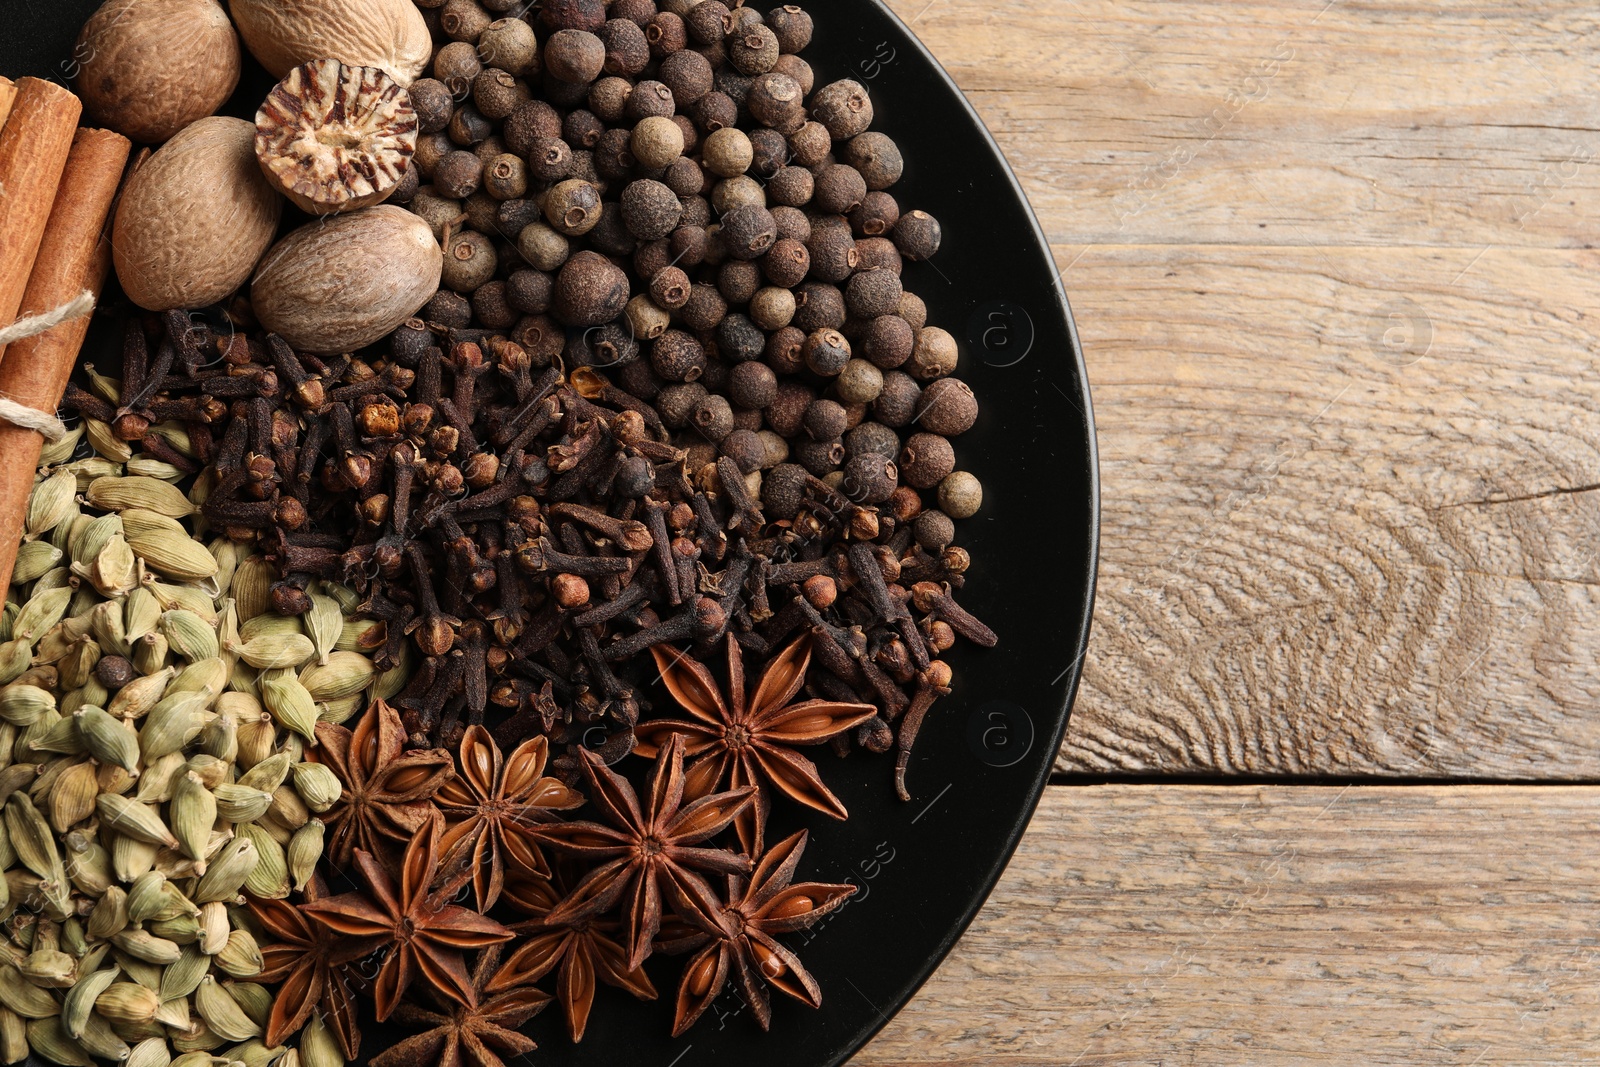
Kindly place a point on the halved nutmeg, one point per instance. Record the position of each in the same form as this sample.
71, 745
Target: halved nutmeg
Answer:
335, 138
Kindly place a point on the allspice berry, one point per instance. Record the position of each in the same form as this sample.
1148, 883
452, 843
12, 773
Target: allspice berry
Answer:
574, 56
839, 189
792, 26
670, 288
826, 352
777, 101
917, 235
678, 357
872, 293
650, 210
433, 104
753, 51
728, 152
497, 94
506, 177
572, 207
469, 261
888, 341
877, 158
543, 247
749, 232
870, 478
510, 45
752, 385
960, 495
656, 142
590, 290
926, 459
934, 530
859, 383
948, 407
934, 355
898, 398
844, 109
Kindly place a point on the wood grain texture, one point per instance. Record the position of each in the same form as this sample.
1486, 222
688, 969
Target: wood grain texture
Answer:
1278, 926
1330, 263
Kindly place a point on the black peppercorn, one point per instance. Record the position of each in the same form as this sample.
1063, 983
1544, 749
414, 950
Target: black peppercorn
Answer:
917, 235
792, 26
493, 309
826, 352
530, 124
844, 108
650, 210
739, 340
788, 408
824, 420
433, 103
574, 56
897, 401
627, 51
753, 50
871, 293
650, 98
678, 357
948, 407
752, 385
590, 290
839, 189
749, 231
704, 308
689, 76
776, 100
926, 460
666, 34
714, 111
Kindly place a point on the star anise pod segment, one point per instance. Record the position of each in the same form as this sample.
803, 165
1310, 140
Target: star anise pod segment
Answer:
472, 1034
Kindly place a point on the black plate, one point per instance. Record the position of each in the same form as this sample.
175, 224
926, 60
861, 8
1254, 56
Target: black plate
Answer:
923, 868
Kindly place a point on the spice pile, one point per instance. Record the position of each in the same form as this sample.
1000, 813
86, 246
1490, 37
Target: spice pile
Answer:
595, 383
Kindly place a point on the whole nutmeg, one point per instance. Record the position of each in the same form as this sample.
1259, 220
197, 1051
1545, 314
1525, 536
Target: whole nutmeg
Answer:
195, 219
340, 284
128, 79
389, 34
336, 138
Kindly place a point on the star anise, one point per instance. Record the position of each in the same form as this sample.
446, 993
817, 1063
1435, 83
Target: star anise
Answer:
386, 789
580, 951
739, 740
743, 944
471, 1033
491, 806
424, 932
309, 963
645, 852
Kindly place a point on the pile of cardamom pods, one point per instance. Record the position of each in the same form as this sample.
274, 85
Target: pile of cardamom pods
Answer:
154, 716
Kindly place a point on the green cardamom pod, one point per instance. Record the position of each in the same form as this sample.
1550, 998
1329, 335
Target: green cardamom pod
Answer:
208, 676
51, 503
144, 897
222, 1013
143, 945
212, 771
23, 997
114, 571
304, 852
198, 1058
198, 1037
141, 614
93, 536
150, 494
272, 625
35, 845
132, 819
79, 1001
317, 785
151, 1052
256, 1000
252, 1053
78, 666
88, 864
241, 956
53, 454
25, 705
189, 635
48, 1038
174, 555
220, 738
269, 879
360, 635
131, 857
15, 658
127, 1002
214, 927
258, 736
107, 739
252, 588
143, 466
179, 929
13, 1037
268, 774
71, 799
318, 1046
141, 971
44, 609
193, 813
289, 703
240, 803
101, 1041
342, 675
226, 873
62, 738
270, 652
183, 977
110, 914
287, 808
33, 560
150, 653
134, 700
172, 724
324, 623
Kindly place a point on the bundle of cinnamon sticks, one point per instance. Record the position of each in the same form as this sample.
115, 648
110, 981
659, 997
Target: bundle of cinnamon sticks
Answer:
58, 185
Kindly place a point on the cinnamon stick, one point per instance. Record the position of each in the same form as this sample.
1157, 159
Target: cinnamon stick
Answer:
8, 96
75, 255
33, 152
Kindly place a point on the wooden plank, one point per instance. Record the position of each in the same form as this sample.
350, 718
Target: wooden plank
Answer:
1287, 121
1304, 566
1276, 927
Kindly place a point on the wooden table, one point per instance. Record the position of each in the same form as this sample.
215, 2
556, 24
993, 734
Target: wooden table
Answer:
1322, 798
